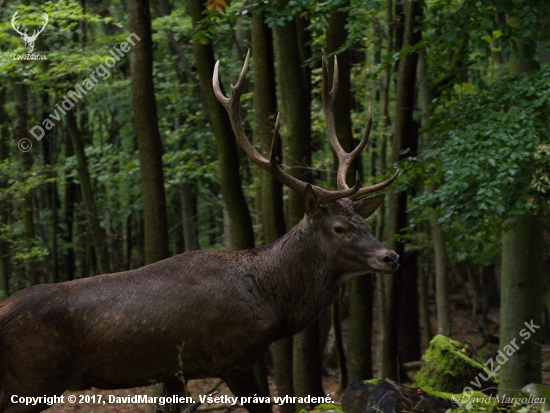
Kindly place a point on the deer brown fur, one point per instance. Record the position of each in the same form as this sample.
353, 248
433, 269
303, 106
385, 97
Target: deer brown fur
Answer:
196, 315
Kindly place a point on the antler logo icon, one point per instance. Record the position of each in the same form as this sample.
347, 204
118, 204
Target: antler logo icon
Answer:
29, 40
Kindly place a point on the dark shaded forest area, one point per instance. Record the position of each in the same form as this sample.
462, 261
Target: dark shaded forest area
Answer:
115, 153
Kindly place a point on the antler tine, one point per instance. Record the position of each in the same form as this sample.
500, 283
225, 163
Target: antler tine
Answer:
344, 158
231, 104
376, 187
328, 101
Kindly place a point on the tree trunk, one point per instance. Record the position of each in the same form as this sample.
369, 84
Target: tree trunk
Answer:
403, 138
230, 179
521, 279
273, 221
70, 199
265, 110
360, 293
189, 215
360, 328
97, 235
296, 103
521, 301
147, 134
294, 84
4, 206
383, 283
21, 132
441, 280
438, 239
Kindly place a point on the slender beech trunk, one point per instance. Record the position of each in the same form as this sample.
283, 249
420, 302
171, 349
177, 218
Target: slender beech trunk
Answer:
4, 205
70, 199
265, 111
360, 293
521, 280
50, 191
27, 160
294, 81
189, 214
230, 179
383, 283
147, 134
521, 301
273, 222
403, 347
96, 233
438, 239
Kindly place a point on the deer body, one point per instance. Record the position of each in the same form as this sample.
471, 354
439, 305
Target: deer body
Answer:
196, 315
199, 314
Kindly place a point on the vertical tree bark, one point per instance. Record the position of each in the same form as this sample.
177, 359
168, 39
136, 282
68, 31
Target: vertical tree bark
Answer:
21, 132
360, 294
70, 199
403, 138
230, 179
295, 95
50, 192
438, 239
360, 329
189, 213
4, 206
295, 112
273, 222
521, 300
383, 283
265, 111
147, 134
96, 233
521, 279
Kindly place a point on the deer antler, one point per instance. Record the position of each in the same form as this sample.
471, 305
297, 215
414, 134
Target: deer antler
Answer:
344, 158
13, 19
231, 104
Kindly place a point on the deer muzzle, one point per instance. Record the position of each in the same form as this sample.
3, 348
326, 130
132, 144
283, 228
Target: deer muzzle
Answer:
390, 259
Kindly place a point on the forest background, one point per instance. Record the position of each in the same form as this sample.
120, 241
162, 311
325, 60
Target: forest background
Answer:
459, 92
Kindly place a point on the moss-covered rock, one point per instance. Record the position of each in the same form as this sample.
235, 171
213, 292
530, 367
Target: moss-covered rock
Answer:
328, 408
447, 369
534, 392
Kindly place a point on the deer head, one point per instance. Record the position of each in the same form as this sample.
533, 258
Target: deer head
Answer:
335, 216
29, 40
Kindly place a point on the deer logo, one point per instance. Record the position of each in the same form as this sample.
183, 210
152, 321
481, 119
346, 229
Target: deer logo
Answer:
29, 40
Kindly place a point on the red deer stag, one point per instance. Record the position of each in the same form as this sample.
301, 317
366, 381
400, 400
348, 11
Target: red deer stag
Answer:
199, 314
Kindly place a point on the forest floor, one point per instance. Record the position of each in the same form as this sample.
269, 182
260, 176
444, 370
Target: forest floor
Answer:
465, 328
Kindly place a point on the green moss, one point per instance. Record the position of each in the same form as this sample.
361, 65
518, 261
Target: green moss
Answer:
480, 397
536, 390
372, 382
329, 408
447, 369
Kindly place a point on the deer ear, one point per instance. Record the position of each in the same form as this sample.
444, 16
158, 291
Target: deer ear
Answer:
310, 202
367, 206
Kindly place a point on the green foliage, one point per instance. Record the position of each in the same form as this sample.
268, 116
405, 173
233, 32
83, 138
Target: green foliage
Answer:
465, 33
487, 161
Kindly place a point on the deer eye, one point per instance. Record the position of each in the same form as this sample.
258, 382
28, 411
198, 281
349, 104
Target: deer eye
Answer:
338, 229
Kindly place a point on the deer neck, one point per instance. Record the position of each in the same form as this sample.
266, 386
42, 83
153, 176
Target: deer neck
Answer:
297, 279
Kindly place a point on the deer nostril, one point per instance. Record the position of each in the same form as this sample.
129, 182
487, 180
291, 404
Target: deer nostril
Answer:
392, 262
